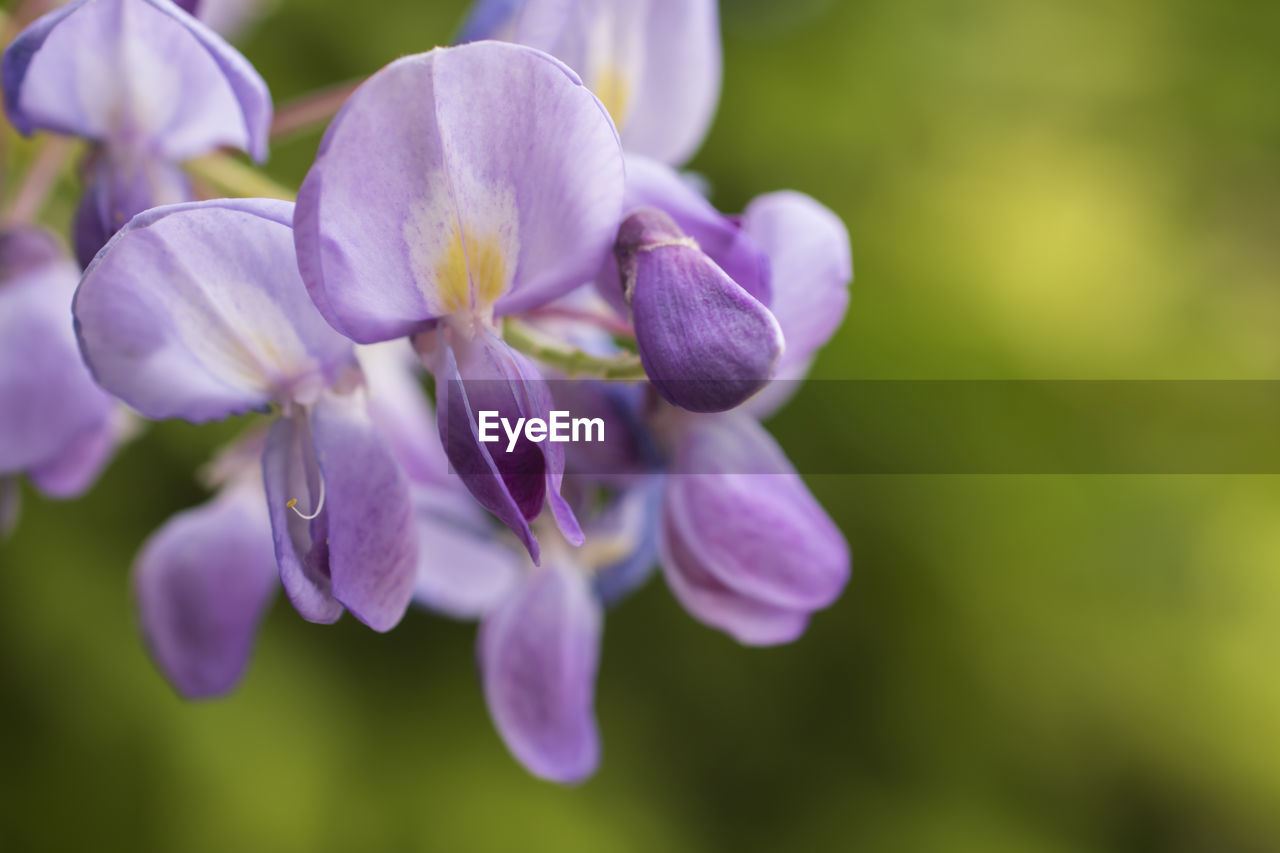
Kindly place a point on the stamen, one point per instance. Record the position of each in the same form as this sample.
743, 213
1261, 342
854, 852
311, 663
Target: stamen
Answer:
293, 505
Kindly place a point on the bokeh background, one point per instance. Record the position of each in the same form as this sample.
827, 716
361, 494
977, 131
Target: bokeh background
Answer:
1057, 189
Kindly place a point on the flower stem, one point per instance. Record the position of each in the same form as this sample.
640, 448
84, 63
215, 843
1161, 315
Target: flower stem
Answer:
573, 363
308, 111
40, 180
230, 175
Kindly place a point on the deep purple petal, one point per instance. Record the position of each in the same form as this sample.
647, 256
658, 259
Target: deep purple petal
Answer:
454, 179
203, 582
120, 185
808, 249
484, 374
746, 518
48, 400
706, 344
539, 653
464, 569
656, 64
141, 73
373, 545
747, 620
291, 473
197, 311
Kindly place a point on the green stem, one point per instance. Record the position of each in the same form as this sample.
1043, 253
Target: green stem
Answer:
230, 175
573, 363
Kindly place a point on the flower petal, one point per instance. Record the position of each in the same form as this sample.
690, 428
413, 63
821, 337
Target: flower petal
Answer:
489, 19
74, 470
402, 411
291, 473
539, 653
656, 64
808, 249
468, 178
706, 344
484, 374
120, 186
203, 582
747, 520
464, 569
48, 401
747, 620
372, 538
137, 72
197, 311
632, 529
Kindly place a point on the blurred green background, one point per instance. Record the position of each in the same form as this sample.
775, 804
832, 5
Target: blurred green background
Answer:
1047, 189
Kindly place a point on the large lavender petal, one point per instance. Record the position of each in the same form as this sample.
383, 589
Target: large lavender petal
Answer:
464, 569
372, 538
120, 185
469, 178
656, 64
197, 311
202, 583
539, 653
141, 73
705, 343
808, 249
747, 520
48, 401
484, 374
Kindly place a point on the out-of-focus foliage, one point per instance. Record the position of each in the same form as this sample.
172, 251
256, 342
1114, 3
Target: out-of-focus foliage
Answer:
1035, 190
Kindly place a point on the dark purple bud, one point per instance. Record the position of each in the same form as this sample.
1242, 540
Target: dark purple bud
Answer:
706, 344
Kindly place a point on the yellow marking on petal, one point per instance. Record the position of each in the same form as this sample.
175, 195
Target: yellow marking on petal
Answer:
472, 273
614, 91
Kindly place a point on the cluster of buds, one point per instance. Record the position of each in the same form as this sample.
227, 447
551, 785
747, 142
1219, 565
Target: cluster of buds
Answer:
507, 216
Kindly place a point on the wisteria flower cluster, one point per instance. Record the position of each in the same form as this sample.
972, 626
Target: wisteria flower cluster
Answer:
502, 221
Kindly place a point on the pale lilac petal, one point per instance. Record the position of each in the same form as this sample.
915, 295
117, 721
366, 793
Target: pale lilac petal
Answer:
203, 582
747, 620
464, 568
631, 530
76, 468
120, 185
140, 73
656, 64
484, 374
706, 344
48, 400
291, 473
468, 178
747, 519
197, 311
372, 538
808, 249
539, 653
402, 411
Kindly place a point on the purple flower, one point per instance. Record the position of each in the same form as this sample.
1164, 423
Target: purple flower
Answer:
56, 425
455, 187
148, 84
705, 342
655, 64
204, 580
196, 311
